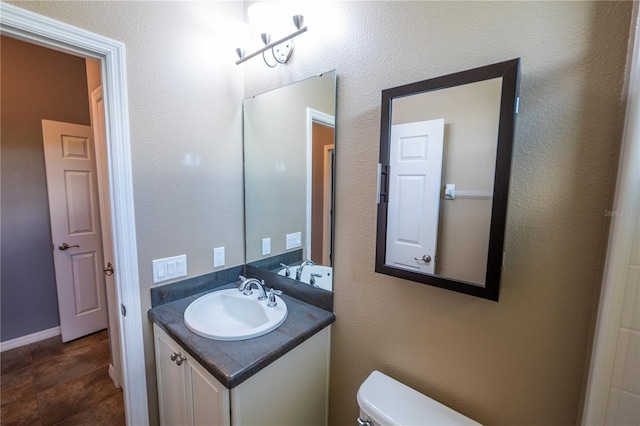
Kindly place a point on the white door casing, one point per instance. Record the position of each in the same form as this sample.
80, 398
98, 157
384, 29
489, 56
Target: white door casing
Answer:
415, 175
99, 137
50, 33
74, 210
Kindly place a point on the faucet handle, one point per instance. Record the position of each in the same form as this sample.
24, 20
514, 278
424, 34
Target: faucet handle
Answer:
272, 297
242, 284
312, 280
287, 270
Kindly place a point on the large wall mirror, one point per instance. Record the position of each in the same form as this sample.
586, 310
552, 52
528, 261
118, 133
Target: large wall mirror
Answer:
289, 155
445, 162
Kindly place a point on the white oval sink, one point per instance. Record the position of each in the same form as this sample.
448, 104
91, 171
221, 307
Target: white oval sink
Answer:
324, 281
230, 315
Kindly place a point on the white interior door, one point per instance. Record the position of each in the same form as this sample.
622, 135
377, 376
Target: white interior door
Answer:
415, 174
75, 228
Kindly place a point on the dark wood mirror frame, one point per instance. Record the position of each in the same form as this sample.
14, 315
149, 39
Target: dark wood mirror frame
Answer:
509, 71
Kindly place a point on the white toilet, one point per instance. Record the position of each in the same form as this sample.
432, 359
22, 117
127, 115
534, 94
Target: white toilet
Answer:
384, 401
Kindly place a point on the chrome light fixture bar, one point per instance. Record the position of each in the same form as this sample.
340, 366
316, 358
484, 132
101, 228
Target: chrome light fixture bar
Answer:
244, 58
263, 17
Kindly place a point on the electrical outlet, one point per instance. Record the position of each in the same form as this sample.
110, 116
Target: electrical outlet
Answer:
218, 257
266, 246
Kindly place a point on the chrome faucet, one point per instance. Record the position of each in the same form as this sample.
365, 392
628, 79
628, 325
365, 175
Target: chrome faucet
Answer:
287, 272
301, 267
245, 287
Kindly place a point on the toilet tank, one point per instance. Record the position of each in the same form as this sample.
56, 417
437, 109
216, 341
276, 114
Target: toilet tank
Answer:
384, 401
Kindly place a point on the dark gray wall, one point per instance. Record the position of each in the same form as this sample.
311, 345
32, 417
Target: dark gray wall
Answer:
36, 84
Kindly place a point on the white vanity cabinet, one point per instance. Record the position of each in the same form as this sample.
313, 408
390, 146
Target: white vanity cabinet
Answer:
187, 393
293, 390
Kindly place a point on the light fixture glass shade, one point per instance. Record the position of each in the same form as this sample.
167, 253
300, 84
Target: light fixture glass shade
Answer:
298, 21
262, 16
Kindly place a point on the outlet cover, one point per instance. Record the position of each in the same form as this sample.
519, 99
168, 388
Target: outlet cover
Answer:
266, 246
218, 257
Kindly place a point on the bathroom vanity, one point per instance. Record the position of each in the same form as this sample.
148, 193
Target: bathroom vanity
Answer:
276, 379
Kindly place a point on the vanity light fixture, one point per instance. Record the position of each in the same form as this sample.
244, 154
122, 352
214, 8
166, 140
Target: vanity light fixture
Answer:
262, 16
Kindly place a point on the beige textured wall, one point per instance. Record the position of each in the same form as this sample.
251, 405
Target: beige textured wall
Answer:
519, 361
185, 95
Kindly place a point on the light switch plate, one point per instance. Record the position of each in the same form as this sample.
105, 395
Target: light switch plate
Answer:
169, 267
293, 240
218, 257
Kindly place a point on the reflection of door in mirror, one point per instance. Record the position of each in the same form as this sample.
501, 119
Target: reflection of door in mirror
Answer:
415, 172
321, 199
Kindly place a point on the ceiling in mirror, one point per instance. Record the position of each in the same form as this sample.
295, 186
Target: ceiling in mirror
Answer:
289, 154
445, 156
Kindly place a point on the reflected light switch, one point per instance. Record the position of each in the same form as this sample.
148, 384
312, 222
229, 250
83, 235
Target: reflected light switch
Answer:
450, 191
293, 240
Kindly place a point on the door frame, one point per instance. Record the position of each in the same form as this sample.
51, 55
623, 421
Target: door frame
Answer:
313, 116
327, 199
96, 104
43, 31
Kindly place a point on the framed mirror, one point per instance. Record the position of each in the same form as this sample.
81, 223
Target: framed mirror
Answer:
289, 155
445, 163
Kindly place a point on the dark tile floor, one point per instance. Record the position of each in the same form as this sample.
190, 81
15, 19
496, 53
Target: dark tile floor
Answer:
55, 383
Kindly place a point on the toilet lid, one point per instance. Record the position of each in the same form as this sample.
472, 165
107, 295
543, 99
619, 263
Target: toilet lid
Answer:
388, 403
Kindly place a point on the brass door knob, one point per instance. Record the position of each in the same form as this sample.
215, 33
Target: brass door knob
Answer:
108, 271
65, 246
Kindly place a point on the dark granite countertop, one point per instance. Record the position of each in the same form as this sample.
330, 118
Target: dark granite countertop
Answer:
233, 362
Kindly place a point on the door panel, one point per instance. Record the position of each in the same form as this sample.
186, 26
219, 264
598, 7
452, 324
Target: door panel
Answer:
79, 199
86, 284
415, 183
75, 221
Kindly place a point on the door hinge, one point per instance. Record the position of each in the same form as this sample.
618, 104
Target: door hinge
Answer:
123, 309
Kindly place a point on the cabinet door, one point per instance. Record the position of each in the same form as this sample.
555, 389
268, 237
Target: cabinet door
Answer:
172, 395
209, 397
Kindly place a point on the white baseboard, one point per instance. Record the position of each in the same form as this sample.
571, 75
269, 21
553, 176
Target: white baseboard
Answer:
112, 375
30, 338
